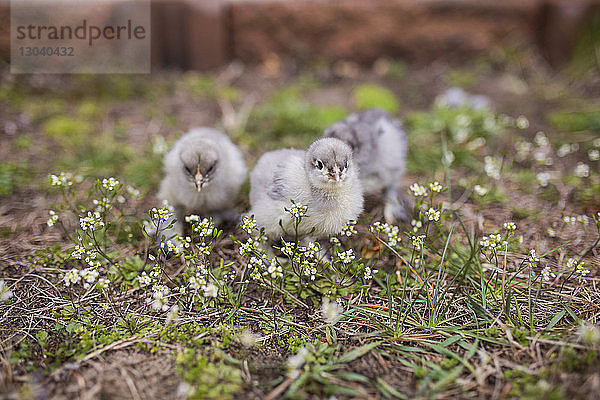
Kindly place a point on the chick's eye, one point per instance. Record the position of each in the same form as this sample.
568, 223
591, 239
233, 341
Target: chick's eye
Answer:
210, 169
346, 165
319, 164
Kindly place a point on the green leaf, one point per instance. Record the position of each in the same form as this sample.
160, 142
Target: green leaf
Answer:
386, 388
356, 353
557, 317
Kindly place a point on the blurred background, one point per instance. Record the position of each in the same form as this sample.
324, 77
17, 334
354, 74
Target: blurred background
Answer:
276, 73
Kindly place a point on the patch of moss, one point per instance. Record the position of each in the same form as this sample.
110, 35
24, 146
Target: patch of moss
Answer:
287, 120
69, 132
12, 175
587, 119
208, 378
370, 95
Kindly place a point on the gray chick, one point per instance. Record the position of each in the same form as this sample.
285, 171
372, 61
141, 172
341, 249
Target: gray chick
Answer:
323, 178
379, 145
203, 174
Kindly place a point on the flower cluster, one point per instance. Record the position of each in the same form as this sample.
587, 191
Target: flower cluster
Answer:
133, 192
72, 277
547, 273
174, 247
92, 221
480, 190
368, 273
577, 267
297, 211
161, 214
433, 214
532, 259
203, 227
102, 205
89, 276
392, 232
349, 229
248, 223
159, 300
250, 246
53, 218
510, 226
416, 225
346, 256
258, 268
492, 167
63, 179
569, 220
110, 183
418, 190
492, 242
582, 170
417, 241
436, 187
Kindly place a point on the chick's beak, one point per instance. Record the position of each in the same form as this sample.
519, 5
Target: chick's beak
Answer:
198, 179
336, 172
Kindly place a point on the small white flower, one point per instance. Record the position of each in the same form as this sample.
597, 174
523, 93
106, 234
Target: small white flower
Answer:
248, 223
436, 187
417, 241
89, 275
523, 150
532, 258
53, 218
418, 190
368, 274
210, 290
480, 190
274, 270
144, 279
522, 122
433, 214
563, 150
582, 170
569, 220
103, 283
540, 139
543, 178
63, 179
161, 214
547, 273
589, 334
110, 183
347, 256
594, 155
5, 292
72, 277
492, 167
295, 362
297, 211
172, 314
510, 226
133, 192
349, 229
596, 142
330, 310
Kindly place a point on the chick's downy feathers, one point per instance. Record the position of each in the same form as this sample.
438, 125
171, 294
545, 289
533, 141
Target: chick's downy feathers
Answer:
380, 146
323, 178
203, 174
